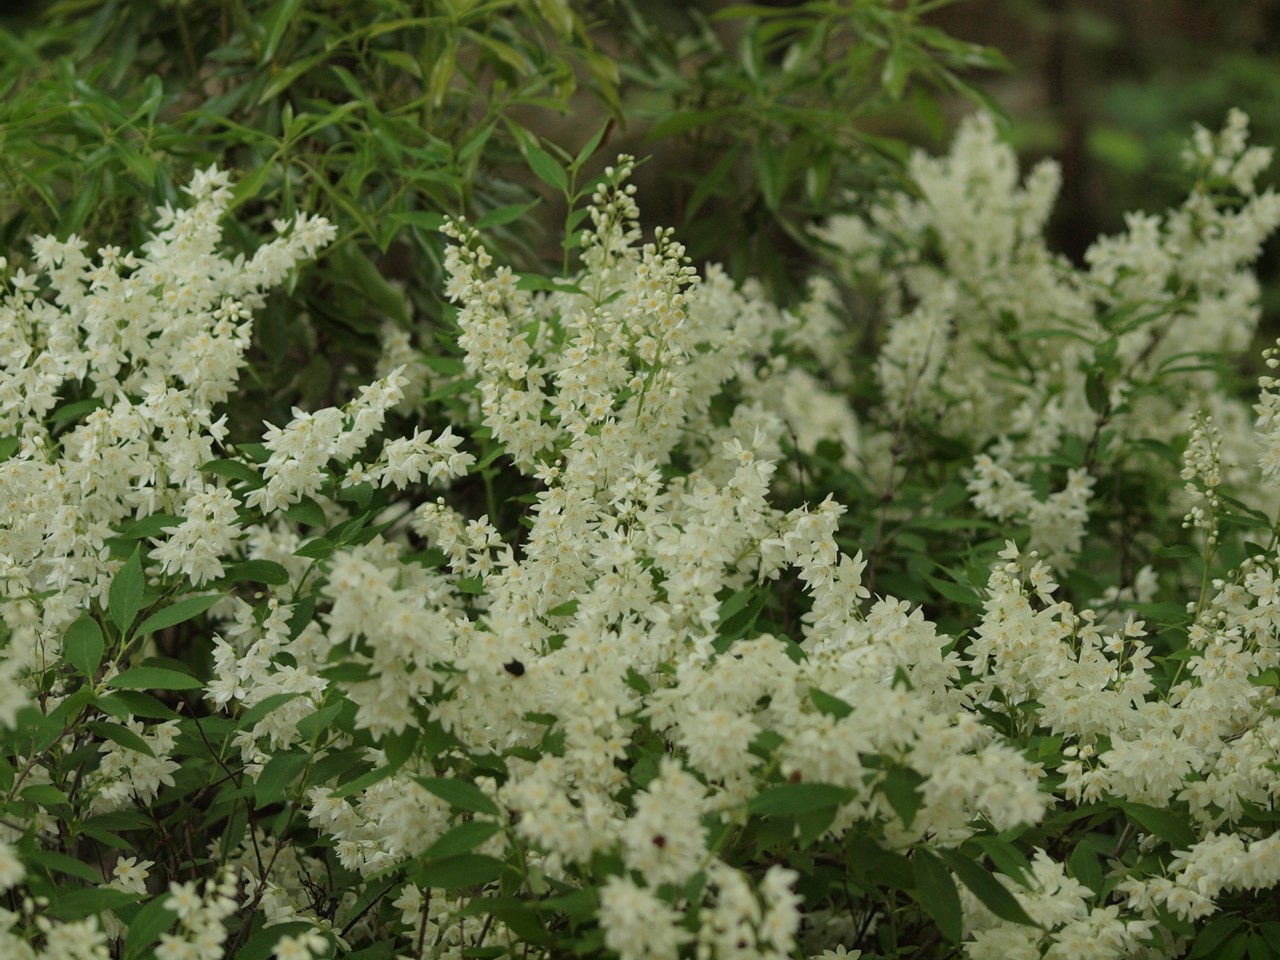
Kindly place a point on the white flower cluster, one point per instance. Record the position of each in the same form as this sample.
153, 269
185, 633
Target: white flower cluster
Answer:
967, 284
643, 408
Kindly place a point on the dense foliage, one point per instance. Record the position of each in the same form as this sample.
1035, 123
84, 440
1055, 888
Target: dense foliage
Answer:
586, 601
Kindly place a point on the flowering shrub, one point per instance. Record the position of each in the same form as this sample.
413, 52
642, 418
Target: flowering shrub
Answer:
298, 695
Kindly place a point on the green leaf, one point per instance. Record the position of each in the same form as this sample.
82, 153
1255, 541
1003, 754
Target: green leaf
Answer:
464, 870
1163, 824
1085, 867
936, 892
307, 511
83, 645
592, 144
1211, 937
710, 183
799, 798
152, 526
516, 913
831, 706
901, 787
262, 945
251, 716
311, 725
55, 862
124, 598
185, 609
990, 891
463, 837
87, 901
232, 470
546, 169
127, 704
280, 771
566, 609
153, 678
45, 794
147, 925
769, 172
118, 733
459, 794
277, 21
504, 214
258, 571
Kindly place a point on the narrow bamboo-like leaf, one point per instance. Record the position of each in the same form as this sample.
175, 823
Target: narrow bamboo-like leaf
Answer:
504, 214
546, 169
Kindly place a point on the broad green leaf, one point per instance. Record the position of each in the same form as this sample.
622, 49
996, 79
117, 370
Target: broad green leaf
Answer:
936, 892
1211, 937
124, 598
183, 610
87, 901
993, 894
1162, 823
311, 725
146, 926
459, 794
826, 703
566, 609
83, 645
122, 735
1084, 866
901, 788
516, 913
799, 798
153, 678
232, 470
55, 862
279, 772
307, 511
258, 571
262, 945
261, 708
464, 870
460, 839
45, 794
127, 704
